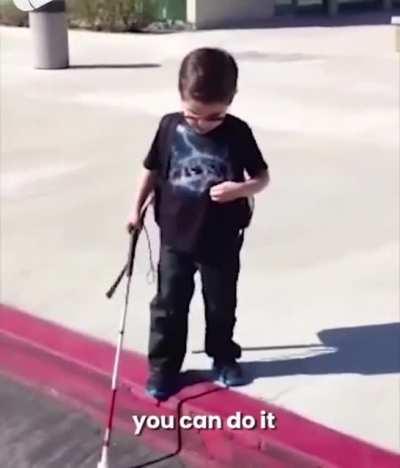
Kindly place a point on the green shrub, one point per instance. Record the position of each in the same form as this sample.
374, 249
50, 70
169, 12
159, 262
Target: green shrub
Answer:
108, 15
105, 15
11, 16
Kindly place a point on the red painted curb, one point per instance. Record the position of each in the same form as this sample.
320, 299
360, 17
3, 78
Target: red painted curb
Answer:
78, 367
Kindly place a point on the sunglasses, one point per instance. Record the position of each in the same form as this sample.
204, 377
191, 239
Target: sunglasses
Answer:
209, 119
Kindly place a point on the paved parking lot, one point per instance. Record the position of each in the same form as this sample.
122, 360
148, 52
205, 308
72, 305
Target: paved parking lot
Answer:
41, 432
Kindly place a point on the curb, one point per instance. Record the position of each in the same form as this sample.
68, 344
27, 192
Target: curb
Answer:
77, 368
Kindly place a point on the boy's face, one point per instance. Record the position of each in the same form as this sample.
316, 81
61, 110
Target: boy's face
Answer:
204, 117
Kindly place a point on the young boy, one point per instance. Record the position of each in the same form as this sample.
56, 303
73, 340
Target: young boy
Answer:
196, 166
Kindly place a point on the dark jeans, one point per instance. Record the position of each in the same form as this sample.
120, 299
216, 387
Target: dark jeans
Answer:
170, 307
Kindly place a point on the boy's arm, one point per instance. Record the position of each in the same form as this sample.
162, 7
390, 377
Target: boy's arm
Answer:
253, 164
145, 187
254, 184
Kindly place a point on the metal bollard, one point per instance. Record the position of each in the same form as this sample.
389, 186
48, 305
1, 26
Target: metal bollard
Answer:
396, 22
50, 36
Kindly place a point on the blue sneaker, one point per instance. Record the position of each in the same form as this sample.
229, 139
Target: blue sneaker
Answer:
229, 373
161, 386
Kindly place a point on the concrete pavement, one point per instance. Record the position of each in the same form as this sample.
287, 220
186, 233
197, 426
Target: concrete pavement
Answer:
318, 300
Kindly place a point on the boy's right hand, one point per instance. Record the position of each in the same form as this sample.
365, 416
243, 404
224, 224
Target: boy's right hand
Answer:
134, 222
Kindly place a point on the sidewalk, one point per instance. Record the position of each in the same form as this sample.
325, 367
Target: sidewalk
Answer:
318, 294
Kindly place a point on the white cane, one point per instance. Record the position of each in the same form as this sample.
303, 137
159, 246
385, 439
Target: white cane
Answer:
128, 269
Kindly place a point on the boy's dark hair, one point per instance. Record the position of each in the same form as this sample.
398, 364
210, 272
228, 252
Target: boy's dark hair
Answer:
208, 75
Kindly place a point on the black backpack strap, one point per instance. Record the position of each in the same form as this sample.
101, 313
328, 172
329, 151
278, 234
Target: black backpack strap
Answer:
167, 132
165, 141
247, 205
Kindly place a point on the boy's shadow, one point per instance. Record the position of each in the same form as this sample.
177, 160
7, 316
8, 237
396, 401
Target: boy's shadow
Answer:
113, 66
366, 350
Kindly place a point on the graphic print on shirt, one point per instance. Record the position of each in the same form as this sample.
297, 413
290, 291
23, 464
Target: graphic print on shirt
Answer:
197, 162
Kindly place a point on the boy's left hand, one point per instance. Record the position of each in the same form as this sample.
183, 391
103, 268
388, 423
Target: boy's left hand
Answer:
226, 191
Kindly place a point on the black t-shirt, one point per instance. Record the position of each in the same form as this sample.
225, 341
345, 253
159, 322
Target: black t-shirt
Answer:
188, 165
